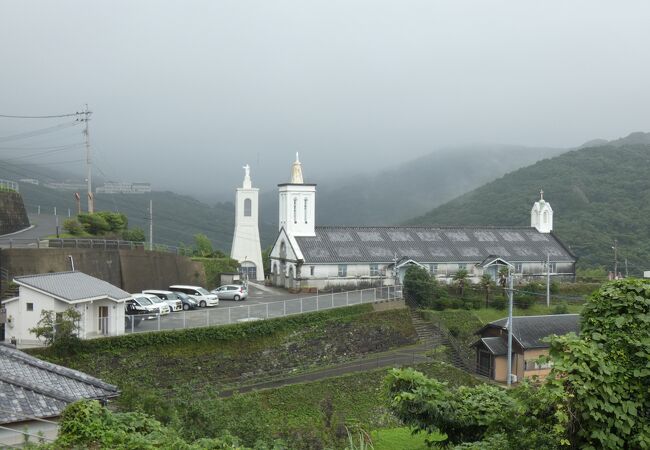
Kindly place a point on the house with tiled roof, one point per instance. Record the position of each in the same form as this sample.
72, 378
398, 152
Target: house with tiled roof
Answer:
529, 335
308, 256
100, 304
33, 393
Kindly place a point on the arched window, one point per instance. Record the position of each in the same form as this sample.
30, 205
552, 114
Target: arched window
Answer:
545, 216
306, 205
248, 206
295, 210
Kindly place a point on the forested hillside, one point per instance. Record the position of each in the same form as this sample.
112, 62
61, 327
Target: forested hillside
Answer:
598, 194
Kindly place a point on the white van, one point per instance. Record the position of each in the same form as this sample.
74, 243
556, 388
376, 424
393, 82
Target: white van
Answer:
199, 294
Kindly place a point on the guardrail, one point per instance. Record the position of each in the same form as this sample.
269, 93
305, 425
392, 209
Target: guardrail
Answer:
206, 317
6, 184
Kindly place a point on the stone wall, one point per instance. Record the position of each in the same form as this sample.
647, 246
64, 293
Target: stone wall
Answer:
131, 270
13, 216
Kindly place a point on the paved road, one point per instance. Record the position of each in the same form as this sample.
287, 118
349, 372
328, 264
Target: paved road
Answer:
43, 225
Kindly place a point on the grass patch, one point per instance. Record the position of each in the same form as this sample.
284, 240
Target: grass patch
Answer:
491, 314
398, 439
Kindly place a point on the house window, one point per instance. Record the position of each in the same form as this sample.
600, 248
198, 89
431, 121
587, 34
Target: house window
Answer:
311, 270
519, 268
534, 364
306, 201
374, 270
433, 269
553, 267
248, 207
462, 266
30, 307
343, 270
295, 210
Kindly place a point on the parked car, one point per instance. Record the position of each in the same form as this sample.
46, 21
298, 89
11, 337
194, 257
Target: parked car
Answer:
188, 302
199, 294
234, 292
135, 313
171, 298
151, 303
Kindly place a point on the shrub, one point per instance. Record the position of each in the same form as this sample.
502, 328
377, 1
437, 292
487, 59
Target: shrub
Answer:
134, 234
59, 330
73, 227
561, 308
94, 224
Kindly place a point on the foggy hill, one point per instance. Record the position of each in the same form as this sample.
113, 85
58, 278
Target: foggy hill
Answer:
598, 194
409, 188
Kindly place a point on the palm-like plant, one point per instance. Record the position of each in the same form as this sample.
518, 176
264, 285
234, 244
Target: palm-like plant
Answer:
486, 285
460, 278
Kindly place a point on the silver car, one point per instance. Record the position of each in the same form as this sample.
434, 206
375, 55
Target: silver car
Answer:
234, 292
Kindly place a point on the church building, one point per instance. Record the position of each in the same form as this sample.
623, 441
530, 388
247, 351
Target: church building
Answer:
308, 256
246, 247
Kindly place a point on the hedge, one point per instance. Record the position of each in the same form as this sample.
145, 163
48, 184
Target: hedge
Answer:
259, 328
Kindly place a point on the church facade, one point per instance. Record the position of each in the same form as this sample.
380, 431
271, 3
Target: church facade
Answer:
306, 256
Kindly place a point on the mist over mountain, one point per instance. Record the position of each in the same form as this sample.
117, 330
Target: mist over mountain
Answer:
598, 194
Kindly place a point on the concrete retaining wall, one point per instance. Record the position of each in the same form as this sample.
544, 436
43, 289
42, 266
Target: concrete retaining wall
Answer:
13, 216
131, 270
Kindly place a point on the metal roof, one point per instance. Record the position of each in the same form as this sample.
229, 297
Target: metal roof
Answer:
428, 244
72, 286
496, 345
30, 387
530, 330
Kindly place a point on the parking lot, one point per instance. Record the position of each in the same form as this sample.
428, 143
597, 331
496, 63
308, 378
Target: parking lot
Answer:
259, 305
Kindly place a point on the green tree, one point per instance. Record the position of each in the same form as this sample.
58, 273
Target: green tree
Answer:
60, 330
134, 234
202, 246
486, 284
94, 224
605, 373
117, 222
461, 277
419, 287
73, 227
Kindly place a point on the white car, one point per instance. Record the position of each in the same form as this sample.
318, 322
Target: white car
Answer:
234, 292
175, 303
199, 294
151, 303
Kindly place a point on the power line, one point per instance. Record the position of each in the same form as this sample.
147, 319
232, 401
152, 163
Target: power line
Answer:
56, 116
28, 134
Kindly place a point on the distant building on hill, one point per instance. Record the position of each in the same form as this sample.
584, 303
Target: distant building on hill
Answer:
29, 181
66, 186
308, 256
113, 187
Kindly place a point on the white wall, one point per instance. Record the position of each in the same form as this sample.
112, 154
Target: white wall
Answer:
298, 224
246, 240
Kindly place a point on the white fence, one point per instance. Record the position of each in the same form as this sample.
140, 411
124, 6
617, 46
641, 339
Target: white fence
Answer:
6, 184
206, 317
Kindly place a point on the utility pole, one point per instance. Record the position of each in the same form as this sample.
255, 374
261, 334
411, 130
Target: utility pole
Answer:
548, 280
150, 224
510, 326
625, 267
86, 118
615, 247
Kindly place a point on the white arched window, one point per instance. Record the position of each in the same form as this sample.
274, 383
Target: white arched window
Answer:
248, 207
545, 216
306, 206
295, 210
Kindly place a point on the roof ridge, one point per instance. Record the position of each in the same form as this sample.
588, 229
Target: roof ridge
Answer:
40, 389
56, 369
48, 274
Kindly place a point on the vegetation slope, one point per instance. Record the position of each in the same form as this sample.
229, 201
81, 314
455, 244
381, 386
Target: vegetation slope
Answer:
598, 195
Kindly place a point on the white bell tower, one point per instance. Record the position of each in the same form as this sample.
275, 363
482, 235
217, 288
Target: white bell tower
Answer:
541, 215
297, 204
246, 247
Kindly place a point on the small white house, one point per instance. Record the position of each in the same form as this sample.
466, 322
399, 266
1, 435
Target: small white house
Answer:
100, 303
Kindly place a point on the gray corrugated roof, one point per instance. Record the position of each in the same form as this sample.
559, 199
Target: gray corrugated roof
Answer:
496, 345
430, 244
530, 330
30, 387
72, 286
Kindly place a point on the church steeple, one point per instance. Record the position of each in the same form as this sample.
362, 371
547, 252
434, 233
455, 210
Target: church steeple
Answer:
296, 171
541, 215
297, 204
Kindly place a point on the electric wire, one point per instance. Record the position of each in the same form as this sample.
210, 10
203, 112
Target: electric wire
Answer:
54, 116
40, 131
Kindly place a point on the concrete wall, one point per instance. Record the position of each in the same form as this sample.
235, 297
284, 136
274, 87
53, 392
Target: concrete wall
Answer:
13, 216
131, 270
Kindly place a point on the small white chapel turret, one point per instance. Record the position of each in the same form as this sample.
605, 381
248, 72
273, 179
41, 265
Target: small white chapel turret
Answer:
541, 215
246, 247
297, 204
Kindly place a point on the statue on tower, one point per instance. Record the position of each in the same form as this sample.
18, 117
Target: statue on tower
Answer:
296, 172
247, 176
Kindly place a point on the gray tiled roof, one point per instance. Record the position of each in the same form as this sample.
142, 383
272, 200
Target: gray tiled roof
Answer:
496, 345
72, 286
530, 330
430, 244
30, 387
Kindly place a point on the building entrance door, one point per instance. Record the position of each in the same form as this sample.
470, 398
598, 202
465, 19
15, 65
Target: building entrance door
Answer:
103, 320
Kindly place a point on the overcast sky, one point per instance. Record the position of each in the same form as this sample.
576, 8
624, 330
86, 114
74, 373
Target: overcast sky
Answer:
185, 93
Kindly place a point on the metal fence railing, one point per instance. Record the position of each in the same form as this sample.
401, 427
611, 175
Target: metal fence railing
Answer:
207, 317
6, 184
